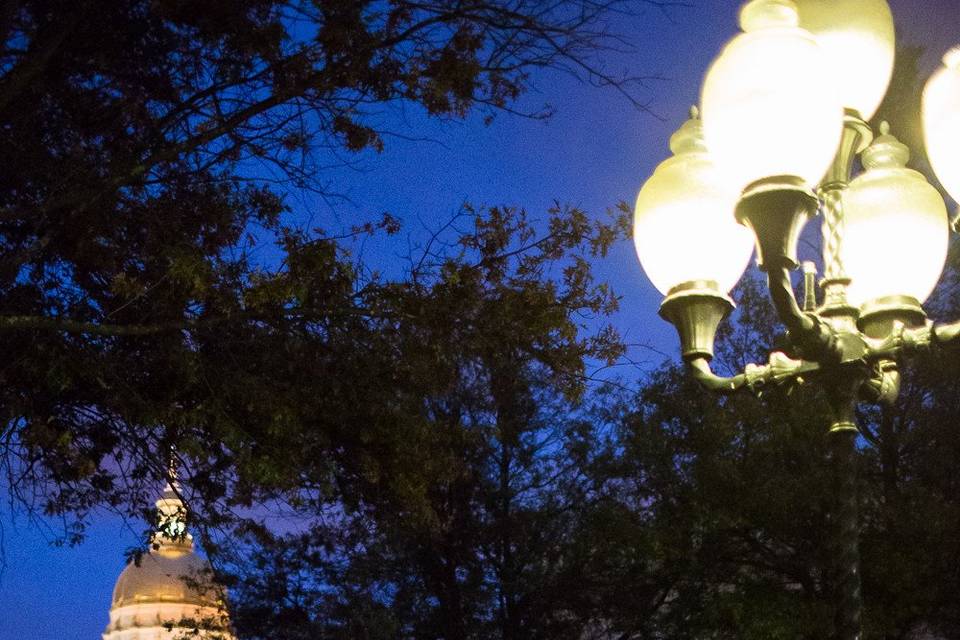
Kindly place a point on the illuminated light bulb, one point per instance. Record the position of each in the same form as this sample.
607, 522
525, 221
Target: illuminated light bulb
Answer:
769, 106
897, 232
941, 122
858, 38
684, 228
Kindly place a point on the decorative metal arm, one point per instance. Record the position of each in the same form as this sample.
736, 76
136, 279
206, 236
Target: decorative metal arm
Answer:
809, 332
781, 292
701, 372
779, 370
946, 333
907, 340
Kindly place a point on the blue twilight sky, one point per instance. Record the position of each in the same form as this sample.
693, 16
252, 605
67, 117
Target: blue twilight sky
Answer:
594, 152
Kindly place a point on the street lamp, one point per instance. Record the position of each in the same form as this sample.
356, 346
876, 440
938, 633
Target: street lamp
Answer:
784, 118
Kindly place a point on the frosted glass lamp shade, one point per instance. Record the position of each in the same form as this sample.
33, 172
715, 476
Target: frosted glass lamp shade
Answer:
684, 228
858, 38
897, 230
941, 122
769, 108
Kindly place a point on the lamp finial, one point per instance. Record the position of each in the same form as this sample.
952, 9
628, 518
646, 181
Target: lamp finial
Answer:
769, 14
886, 151
951, 59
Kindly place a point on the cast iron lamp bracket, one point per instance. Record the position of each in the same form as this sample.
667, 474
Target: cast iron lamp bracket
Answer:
781, 370
904, 340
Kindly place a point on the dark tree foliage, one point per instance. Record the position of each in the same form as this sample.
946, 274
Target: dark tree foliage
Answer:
456, 523
137, 135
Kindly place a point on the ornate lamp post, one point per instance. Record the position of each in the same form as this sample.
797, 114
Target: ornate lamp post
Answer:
784, 117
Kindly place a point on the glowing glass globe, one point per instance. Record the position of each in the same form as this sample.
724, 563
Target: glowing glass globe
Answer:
941, 122
858, 37
684, 228
769, 105
897, 230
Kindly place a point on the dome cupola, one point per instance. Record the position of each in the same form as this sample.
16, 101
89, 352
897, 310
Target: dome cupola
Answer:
169, 590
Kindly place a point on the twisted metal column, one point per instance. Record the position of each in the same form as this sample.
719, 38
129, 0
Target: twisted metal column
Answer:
856, 136
835, 279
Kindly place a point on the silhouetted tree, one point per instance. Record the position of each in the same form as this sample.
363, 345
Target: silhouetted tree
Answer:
138, 139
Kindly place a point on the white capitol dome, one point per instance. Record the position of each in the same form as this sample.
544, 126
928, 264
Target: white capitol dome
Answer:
169, 595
